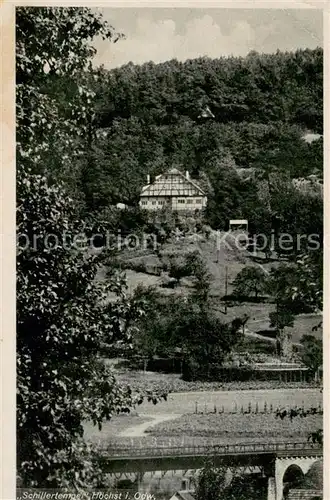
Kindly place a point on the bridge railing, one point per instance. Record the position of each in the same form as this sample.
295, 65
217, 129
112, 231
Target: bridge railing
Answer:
230, 449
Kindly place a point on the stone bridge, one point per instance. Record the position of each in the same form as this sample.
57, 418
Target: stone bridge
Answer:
279, 462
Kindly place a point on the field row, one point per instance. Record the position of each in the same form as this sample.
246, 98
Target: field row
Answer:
172, 382
238, 426
182, 403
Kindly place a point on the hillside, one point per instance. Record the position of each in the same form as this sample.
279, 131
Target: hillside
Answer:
147, 269
150, 117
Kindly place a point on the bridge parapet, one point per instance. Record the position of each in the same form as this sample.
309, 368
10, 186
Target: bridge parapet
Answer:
278, 449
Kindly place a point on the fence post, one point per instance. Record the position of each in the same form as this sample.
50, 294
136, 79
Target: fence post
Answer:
257, 407
196, 405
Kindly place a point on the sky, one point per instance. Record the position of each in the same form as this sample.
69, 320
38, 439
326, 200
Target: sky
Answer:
161, 34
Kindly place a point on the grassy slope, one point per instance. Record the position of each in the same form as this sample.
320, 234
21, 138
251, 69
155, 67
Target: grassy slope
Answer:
219, 257
114, 427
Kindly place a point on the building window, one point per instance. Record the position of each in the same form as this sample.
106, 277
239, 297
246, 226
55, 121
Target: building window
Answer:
144, 202
161, 202
181, 201
154, 202
190, 201
198, 202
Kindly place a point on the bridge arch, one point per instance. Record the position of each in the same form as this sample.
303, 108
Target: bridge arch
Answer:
290, 468
292, 478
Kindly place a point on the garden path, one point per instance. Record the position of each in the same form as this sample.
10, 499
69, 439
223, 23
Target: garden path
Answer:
139, 429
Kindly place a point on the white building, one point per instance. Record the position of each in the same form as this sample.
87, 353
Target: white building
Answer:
174, 190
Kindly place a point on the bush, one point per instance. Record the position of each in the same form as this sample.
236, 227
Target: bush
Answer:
190, 370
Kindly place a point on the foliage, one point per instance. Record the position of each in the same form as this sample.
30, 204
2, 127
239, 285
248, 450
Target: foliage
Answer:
211, 483
178, 270
115, 127
312, 352
251, 280
173, 326
53, 95
147, 119
295, 286
280, 319
60, 379
205, 340
201, 278
236, 90
309, 289
310, 272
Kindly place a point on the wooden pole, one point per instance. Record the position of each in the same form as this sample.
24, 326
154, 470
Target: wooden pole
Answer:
226, 289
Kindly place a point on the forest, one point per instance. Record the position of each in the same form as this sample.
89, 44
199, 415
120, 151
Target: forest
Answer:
150, 117
144, 119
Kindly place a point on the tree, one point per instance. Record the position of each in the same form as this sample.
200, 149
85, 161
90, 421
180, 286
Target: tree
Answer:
280, 319
53, 93
205, 339
211, 482
310, 289
281, 284
312, 353
309, 286
147, 340
60, 380
63, 314
178, 270
214, 483
250, 280
201, 279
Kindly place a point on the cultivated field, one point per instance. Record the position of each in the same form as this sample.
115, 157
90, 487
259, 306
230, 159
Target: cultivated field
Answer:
172, 382
238, 427
181, 403
180, 426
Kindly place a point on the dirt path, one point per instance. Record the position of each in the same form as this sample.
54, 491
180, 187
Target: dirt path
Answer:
139, 429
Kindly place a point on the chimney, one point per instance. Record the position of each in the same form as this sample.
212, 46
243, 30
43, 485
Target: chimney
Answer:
187, 175
148, 179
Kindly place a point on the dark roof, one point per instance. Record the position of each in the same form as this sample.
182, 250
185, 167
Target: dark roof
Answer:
185, 495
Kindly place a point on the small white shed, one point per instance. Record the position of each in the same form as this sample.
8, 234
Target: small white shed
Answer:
235, 224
